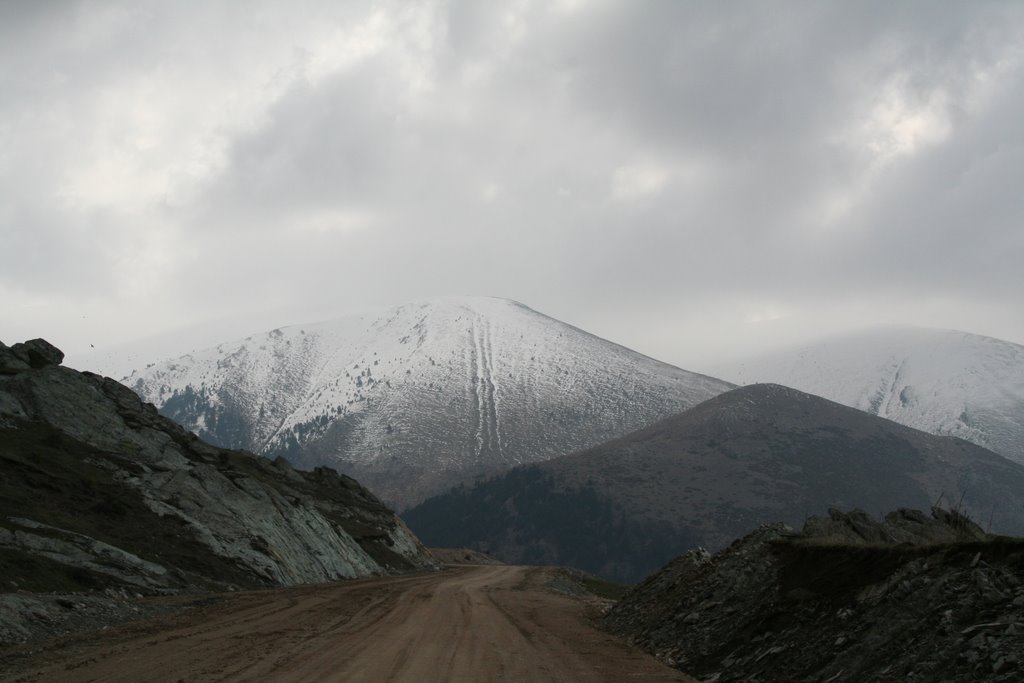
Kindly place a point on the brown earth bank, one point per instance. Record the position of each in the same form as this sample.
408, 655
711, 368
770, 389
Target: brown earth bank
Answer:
482, 623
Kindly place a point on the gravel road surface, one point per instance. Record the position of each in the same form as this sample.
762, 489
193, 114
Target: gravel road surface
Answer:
478, 623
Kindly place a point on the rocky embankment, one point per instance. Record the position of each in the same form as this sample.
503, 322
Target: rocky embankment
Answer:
849, 598
98, 492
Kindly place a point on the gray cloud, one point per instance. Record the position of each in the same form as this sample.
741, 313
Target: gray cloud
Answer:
688, 179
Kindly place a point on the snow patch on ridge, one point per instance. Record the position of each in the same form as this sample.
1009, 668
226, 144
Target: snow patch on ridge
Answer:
939, 381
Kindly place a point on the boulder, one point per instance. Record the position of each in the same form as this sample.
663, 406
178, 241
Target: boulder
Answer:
38, 353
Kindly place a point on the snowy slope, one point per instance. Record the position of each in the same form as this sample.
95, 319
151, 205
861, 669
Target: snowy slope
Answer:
417, 397
938, 381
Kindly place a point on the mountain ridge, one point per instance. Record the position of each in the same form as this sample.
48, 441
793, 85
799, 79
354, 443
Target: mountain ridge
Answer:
705, 476
941, 381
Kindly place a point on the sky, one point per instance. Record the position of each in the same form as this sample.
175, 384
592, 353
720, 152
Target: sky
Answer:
697, 181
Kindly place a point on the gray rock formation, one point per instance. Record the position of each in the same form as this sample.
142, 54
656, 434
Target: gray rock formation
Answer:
100, 491
38, 353
11, 362
850, 598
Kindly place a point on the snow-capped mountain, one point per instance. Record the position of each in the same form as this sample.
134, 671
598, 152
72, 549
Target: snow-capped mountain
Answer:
939, 381
415, 398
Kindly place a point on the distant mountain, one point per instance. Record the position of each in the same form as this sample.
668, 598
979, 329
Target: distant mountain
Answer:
99, 491
758, 454
416, 398
938, 381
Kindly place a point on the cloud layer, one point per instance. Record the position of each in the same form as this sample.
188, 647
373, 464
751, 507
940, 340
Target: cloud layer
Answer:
693, 180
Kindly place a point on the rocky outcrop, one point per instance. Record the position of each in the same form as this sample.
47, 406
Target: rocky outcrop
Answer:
11, 362
97, 490
38, 353
35, 353
912, 597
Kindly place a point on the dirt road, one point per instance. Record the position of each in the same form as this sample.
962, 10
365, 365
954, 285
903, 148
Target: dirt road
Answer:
493, 623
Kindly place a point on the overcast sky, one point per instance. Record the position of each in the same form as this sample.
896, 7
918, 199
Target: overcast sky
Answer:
693, 180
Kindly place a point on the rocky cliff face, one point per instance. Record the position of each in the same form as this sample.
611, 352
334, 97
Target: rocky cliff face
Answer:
97, 490
850, 598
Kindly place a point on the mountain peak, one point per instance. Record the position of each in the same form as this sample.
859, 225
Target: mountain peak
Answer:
416, 397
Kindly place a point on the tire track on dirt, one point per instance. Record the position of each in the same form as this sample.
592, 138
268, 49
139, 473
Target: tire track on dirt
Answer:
487, 623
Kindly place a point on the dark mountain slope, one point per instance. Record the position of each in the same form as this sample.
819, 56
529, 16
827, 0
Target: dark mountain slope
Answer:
710, 474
